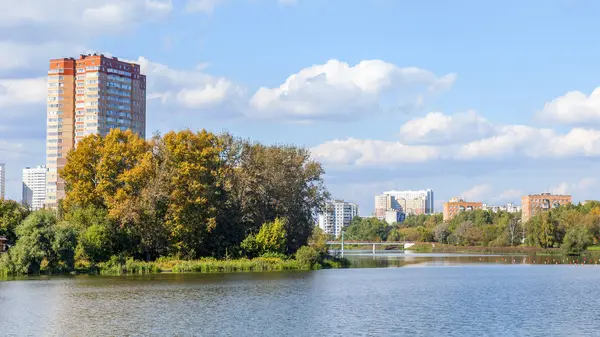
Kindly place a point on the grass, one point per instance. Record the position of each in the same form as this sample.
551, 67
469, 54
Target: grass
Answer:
593, 249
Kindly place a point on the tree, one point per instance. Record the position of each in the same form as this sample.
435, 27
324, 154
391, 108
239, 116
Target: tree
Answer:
41, 240
11, 215
577, 239
267, 182
270, 239
441, 233
195, 192
81, 174
513, 231
95, 244
368, 229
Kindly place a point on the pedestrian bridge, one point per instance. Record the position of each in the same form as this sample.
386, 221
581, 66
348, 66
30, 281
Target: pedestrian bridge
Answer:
404, 244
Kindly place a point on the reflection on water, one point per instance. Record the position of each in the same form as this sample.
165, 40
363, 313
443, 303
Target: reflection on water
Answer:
482, 295
366, 259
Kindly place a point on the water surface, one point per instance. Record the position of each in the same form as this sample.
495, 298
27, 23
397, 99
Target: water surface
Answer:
447, 295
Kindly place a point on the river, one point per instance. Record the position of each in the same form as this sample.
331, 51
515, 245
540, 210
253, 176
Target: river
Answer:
418, 295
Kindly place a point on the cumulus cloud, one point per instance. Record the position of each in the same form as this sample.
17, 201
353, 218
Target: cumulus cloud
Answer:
439, 128
371, 152
574, 108
82, 16
15, 92
583, 185
190, 89
337, 90
508, 141
205, 6
477, 192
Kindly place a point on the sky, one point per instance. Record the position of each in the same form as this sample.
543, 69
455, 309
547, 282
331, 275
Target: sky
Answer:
488, 100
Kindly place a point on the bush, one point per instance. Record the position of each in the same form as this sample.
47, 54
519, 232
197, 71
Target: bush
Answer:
576, 240
307, 257
274, 255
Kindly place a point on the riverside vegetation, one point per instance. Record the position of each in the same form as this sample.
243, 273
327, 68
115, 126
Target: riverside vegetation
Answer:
182, 202
569, 229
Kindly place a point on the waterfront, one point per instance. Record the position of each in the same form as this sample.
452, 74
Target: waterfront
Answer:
442, 294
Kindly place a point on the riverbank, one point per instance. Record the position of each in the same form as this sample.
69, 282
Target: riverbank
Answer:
445, 248
123, 266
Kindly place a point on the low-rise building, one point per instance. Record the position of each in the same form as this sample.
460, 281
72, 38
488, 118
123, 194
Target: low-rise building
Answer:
336, 215
534, 203
510, 208
457, 205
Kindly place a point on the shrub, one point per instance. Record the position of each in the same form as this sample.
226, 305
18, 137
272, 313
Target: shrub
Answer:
307, 257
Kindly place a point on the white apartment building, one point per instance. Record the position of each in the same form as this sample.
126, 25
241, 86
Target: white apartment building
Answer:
34, 187
2, 181
407, 201
510, 208
336, 216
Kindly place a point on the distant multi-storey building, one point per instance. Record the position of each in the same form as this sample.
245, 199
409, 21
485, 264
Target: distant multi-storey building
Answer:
393, 216
89, 95
34, 187
2, 181
407, 202
457, 205
414, 202
534, 203
510, 208
336, 215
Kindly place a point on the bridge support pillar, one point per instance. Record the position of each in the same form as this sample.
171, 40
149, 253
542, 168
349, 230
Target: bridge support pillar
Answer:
373, 248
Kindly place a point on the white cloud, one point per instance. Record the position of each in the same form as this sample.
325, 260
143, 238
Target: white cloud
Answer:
82, 15
352, 151
583, 185
509, 141
337, 90
574, 108
436, 128
205, 6
19, 56
512, 195
477, 192
190, 89
15, 92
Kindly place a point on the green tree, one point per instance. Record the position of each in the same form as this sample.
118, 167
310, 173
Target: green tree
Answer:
368, 229
577, 239
270, 239
95, 244
41, 240
11, 215
441, 233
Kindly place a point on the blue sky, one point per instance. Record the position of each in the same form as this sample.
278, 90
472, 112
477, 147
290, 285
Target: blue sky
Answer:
485, 99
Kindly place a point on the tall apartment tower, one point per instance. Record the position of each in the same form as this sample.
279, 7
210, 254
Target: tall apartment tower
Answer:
89, 95
34, 187
337, 215
2, 181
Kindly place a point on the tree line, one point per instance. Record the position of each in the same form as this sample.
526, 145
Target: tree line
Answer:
183, 194
571, 227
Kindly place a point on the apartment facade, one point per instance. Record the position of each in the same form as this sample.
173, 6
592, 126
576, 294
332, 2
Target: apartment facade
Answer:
89, 95
534, 203
457, 205
414, 202
2, 181
336, 215
34, 187
509, 207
